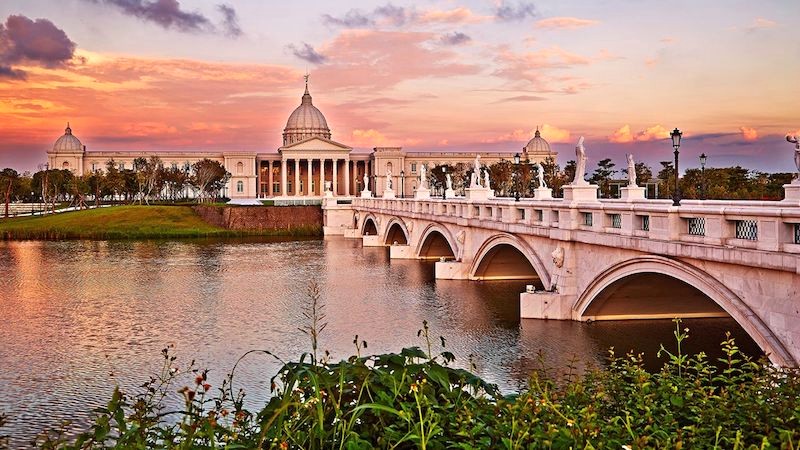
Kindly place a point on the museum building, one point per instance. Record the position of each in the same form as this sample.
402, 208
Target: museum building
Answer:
300, 167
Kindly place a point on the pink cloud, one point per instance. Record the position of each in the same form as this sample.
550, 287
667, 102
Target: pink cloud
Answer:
749, 134
565, 23
761, 23
455, 15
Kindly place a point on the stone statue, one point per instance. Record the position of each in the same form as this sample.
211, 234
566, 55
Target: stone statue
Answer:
449, 181
487, 183
631, 171
388, 180
423, 178
366, 182
474, 179
796, 141
580, 164
540, 175
328, 185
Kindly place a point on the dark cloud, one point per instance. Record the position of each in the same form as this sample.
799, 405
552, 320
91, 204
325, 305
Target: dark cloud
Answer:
230, 21
307, 53
166, 13
38, 42
394, 15
455, 38
353, 19
507, 12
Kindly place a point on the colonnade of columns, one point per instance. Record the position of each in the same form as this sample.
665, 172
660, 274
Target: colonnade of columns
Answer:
295, 177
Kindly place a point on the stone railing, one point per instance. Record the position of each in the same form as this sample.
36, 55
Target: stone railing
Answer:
750, 225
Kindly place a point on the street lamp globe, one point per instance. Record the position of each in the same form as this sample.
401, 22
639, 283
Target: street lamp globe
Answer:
703, 159
516, 158
676, 137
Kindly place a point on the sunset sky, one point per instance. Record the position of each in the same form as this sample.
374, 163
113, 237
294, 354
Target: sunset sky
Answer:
438, 75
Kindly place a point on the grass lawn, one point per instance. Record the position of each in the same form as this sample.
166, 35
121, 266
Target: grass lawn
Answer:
118, 222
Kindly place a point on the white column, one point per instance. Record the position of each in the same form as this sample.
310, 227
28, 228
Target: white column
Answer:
270, 181
322, 176
335, 178
309, 175
347, 177
296, 177
283, 177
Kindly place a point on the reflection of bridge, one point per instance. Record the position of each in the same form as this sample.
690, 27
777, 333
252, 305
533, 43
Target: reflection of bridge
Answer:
607, 259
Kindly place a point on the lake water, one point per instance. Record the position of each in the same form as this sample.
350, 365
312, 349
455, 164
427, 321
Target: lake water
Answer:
76, 317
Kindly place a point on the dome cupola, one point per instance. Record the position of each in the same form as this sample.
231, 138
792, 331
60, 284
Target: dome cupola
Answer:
305, 121
537, 145
68, 143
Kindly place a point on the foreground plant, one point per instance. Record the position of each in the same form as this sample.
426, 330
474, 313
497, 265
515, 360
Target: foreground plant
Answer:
415, 399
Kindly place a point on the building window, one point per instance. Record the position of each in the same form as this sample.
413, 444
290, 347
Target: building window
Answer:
94, 167
121, 166
587, 219
187, 167
239, 168
696, 226
616, 220
239, 186
276, 187
174, 166
413, 167
747, 229
644, 223
797, 233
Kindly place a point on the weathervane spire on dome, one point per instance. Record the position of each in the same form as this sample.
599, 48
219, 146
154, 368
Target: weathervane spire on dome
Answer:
68, 130
306, 78
537, 134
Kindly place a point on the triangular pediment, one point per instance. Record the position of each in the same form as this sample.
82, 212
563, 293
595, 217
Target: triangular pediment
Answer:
316, 143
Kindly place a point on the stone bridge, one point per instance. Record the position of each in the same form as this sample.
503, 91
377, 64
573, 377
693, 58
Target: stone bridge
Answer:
607, 259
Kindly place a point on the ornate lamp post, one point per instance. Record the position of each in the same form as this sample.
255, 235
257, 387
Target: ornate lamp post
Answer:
402, 183
516, 177
703, 159
676, 144
444, 182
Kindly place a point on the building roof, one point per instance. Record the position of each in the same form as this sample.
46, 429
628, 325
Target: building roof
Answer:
305, 121
538, 144
67, 143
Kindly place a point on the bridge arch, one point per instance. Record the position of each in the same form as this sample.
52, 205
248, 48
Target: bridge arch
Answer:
505, 256
436, 242
726, 300
369, 226
396, 231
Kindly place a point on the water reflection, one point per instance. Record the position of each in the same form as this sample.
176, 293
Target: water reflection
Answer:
78, 316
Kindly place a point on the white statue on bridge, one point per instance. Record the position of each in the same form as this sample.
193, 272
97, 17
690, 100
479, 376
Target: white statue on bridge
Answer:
631, 171
389, 180
486, 181
449, 181
423, 178
474, 179
366, 183
540, 175
580, 164
796, 141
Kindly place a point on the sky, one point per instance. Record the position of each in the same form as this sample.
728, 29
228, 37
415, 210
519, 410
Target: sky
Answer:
445, 75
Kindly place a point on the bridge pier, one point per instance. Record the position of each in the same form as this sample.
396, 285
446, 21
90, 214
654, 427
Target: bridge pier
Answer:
451, 270
546, 305
401, 252
372, 241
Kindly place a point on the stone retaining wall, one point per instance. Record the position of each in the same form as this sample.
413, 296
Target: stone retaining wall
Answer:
259, 218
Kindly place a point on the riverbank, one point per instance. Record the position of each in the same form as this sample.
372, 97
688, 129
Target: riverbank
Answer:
132, 222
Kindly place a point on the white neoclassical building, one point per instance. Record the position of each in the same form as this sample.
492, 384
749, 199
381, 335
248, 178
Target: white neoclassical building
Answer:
300, 167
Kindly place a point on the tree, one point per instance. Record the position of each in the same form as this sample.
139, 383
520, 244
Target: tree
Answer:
437, 178
209, 177
9, 178
569, 171
602, 176
114, 180
666, 177
501, 177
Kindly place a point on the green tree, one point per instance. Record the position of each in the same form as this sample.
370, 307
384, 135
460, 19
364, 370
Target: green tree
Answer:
602, 176
208, 178
9, 178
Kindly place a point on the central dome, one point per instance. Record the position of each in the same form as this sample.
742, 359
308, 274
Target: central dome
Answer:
305, 121
537, 145
67, 143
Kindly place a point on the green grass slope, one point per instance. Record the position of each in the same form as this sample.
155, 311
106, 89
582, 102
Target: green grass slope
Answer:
119, 222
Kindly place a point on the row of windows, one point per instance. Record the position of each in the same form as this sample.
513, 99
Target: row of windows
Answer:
186, 166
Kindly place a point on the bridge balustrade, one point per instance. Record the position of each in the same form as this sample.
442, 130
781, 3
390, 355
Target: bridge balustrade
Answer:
759, 225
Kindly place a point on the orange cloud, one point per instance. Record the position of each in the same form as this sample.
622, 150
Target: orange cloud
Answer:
555, 134
624, 134
565, 23
368, 138
749, 134
455, 15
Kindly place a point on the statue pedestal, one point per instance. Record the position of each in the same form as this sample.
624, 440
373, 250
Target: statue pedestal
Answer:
422, 194
366, 193
580, 193
631, 193
542, 193
477, 194
388, 193
792, 193
449, 193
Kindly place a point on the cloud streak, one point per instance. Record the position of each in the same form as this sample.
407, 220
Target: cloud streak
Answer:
307, 53
564, 23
